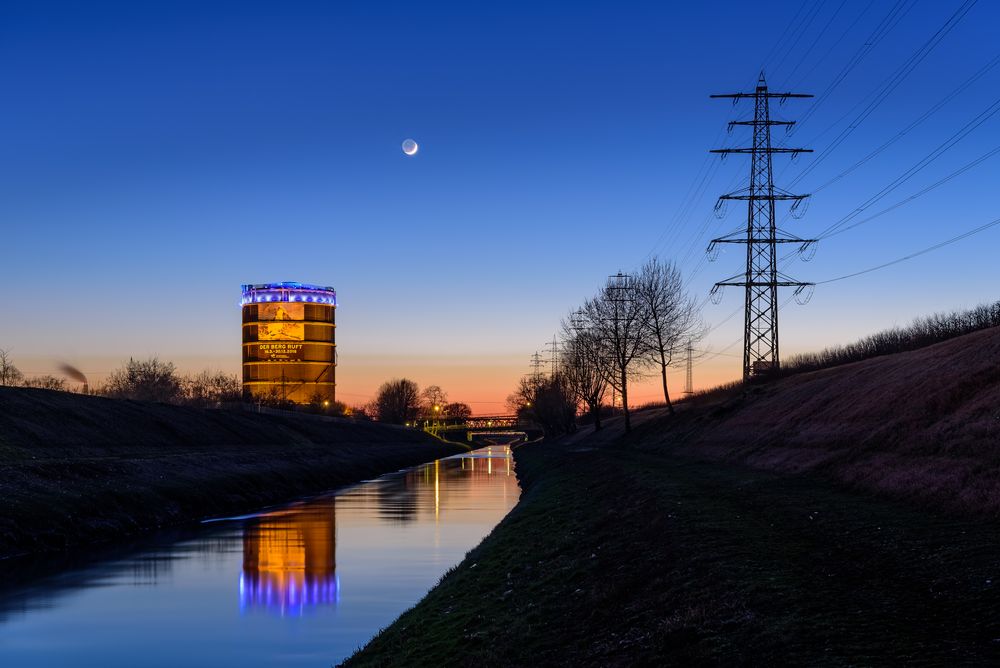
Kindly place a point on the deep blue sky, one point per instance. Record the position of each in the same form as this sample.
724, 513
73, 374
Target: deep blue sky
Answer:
156, 156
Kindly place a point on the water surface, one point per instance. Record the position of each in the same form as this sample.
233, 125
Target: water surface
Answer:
301, 585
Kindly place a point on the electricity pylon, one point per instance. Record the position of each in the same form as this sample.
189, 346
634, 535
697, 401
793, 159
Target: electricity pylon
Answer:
553, 349
689, 381
761, 278
536, 368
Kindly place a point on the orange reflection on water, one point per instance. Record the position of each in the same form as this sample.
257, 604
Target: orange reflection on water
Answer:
289, 560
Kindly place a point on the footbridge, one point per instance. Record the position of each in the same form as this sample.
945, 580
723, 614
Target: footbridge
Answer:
481, 427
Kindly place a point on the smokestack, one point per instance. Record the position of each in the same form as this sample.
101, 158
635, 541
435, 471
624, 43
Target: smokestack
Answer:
75, 374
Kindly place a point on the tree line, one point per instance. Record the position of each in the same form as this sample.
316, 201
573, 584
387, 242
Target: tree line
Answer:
921, 333
636, 324
150, 379
398, 401
401, 401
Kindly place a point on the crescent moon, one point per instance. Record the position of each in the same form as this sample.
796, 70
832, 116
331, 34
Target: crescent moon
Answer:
410, 147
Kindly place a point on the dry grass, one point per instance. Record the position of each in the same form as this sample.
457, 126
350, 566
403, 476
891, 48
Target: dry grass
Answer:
619, 557
923, 424
655, 549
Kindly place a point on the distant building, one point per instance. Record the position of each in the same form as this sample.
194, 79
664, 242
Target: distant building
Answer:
289, 350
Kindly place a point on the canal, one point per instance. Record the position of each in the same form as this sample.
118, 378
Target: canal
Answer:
300, 585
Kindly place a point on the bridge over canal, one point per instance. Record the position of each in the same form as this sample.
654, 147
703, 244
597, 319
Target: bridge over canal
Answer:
481, 427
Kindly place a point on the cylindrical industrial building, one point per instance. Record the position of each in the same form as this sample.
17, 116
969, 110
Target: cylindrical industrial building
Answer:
289, 350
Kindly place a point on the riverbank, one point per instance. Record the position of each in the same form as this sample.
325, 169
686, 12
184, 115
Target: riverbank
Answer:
616, 556
841, 517
77, 469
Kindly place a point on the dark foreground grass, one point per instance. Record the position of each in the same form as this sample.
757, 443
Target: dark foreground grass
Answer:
77, 469
619, 557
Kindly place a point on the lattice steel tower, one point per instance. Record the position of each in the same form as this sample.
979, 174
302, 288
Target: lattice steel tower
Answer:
689, 380
762, 277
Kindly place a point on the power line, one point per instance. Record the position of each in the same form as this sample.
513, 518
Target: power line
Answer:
889, 85
888, 22
919, 193
781, 39
801, 30
815, 42
927, 114
924, 251
701, 181
883, 28
956, 137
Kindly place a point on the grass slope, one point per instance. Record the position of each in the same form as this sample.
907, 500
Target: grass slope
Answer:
666, 548
921, 425
617, 557
77, 469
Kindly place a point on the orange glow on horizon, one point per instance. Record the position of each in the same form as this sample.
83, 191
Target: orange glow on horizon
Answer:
483, 383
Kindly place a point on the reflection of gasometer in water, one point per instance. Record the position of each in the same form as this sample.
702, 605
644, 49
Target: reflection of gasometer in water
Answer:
289, 561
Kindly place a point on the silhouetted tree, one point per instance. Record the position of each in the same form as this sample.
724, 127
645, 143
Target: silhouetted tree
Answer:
672, 319
457, 410
9, 374
584, 366
546, 401
210, 389
145, 380
46, 382
397, 401
434, 399
619, 321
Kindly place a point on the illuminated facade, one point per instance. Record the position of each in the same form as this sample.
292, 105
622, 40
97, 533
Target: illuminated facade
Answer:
289, 560
289, 349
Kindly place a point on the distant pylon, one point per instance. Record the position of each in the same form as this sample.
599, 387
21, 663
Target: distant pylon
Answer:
536, 367
689, 382
761, 278
621, 287
554, 352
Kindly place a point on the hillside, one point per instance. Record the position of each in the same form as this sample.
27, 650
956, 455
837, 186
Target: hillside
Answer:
725, 535
922, 424
76, 468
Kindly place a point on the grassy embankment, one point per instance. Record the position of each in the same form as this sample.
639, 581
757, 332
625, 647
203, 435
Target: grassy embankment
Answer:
845, 516
77, 469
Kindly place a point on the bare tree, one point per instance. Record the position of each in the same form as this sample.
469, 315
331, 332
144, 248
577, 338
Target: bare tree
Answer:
620, 324
397, 401
672, 318
457, 410
210, 389
145, 380
9, 374
434, 400
584, 363
46, 382
546, 401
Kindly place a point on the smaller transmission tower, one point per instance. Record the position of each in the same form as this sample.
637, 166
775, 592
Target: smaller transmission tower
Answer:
552, 348
761, 279
689, 381
536, 367
620, 288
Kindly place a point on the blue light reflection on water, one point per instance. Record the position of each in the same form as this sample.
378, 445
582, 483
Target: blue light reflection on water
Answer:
303, 585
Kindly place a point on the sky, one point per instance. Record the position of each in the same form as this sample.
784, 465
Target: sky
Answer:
156, 156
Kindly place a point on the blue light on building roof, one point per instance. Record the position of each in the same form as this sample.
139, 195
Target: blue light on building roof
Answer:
288, 291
